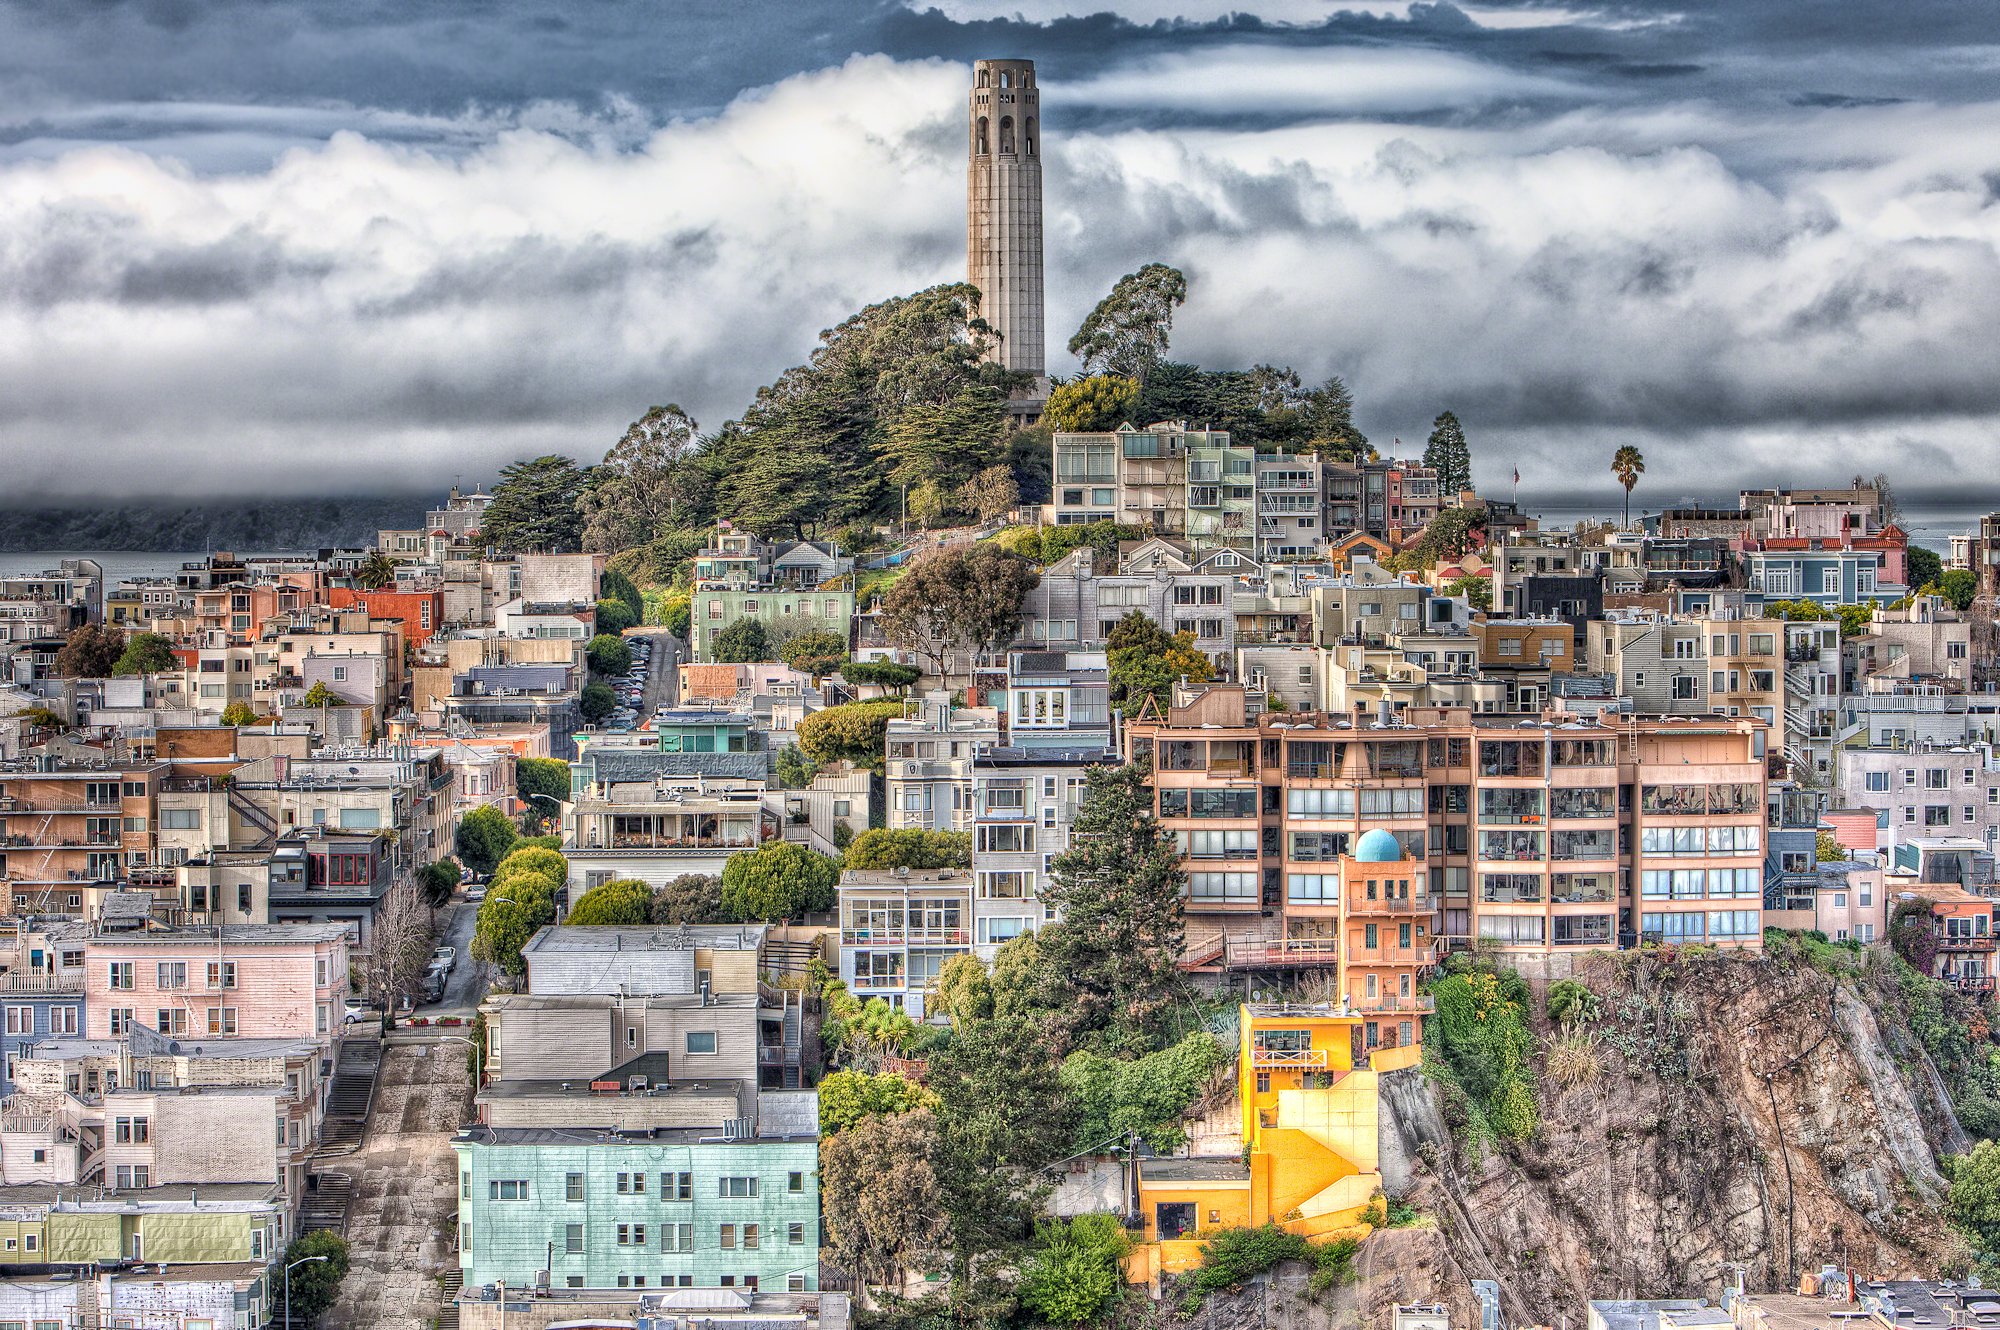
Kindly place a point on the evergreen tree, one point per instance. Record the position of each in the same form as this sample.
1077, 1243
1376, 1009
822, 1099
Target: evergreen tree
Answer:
1449, 455
1119, 893
1127, 332
535, 507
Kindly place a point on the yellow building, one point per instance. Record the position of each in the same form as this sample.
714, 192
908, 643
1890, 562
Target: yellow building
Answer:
1310, 1114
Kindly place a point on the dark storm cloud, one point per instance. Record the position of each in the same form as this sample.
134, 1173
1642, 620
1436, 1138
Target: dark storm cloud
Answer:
375, 243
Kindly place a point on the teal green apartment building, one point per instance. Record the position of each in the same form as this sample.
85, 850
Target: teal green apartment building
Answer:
785, 612
647, 1209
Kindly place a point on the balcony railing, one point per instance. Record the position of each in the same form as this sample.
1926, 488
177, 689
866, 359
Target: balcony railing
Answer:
912, 937
39, 981
1360, 955
1288, 1059
1951, 942
1401, 905
1389, 1005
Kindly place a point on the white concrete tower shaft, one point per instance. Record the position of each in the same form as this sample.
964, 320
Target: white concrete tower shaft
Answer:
1003, 208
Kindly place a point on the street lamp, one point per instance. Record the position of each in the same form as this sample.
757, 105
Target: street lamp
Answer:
306, 1260
553, 800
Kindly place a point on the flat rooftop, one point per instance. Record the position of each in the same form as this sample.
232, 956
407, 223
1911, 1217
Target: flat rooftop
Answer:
599, 939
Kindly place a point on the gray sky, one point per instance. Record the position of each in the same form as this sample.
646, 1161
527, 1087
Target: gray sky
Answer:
265, 246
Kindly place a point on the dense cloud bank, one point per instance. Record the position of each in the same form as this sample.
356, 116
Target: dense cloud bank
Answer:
363, 259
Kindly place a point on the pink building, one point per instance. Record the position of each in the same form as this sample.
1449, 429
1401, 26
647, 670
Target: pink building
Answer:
247, 981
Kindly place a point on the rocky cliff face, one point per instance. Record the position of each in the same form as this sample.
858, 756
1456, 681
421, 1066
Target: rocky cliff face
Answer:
1723, 1110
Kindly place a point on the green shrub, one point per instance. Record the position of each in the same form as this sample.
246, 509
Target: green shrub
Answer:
1570, 1003
1232, 1255
1478, 1043
1075, 1274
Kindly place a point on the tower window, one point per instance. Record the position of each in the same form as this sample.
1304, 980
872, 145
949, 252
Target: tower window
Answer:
1006, 79
980, 138
1006, 133
985, 79
1028, 139
1027, 78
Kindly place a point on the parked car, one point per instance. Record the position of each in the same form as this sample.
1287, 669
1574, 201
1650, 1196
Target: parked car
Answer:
356, 1009
446, 956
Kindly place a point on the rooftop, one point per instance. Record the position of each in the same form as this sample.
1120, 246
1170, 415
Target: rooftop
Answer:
1229, 1169
599, 938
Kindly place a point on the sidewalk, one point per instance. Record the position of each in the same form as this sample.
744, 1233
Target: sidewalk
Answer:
404, 1214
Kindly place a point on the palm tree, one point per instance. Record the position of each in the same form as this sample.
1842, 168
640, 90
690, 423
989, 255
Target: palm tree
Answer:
1628, 464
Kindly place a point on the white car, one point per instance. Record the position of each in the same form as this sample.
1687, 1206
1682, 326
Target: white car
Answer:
356, 1010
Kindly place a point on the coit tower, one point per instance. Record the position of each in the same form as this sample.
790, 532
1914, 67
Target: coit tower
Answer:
1003, 209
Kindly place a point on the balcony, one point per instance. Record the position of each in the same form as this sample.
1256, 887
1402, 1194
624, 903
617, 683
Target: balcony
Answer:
1972, 983
1388, 1005
906, 937
41, 981
1961, 943
1397, 956
1404, 905
1288, 1059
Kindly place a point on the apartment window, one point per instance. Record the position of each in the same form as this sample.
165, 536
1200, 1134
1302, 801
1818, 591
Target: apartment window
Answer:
172, 974
736, 1187
507, 1189
573, 1239
120, 975
222, 974
726, 1239
573, 1186
20, 1020
631, 1184
1878, 782
795, 1235
750, 1237
173, 1020
795, 1283
130, 1131
701, 1041
133, 1177
222, 1020
677, 1237
677, 1186
795, 1182
631, 1235
122, 1021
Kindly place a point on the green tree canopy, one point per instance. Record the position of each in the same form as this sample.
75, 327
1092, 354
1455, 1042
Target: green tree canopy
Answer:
239, 713
956, 600
438, 880
792, 768
846, 1097
614, 616
607, 654
615, 585
146, 653
624, 901
1118, 892
1925, 568
744, 641
1959, 587
815, 651
90, 652
1127, 333
1145, 661
652, 480
1146, 1095
484, 838
691, 898
539, 779
1975, 1194
596, 701
881, 674
319, 695
314, 1284
1449, 454
855, 732
535, 507
1076, 1275
1093, 404
778, 880
909, 848
881, 1197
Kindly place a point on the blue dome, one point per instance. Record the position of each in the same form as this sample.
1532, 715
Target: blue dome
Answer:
1377, 847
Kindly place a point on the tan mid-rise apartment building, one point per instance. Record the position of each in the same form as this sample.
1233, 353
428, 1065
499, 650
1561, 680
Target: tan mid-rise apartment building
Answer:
1527, 835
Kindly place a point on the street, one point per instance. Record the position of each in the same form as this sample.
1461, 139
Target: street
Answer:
663, 675
467, 985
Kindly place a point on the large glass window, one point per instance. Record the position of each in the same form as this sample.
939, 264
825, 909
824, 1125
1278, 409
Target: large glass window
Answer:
1319, 803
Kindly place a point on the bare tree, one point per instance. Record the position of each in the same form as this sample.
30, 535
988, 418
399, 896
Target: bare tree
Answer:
405, 931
